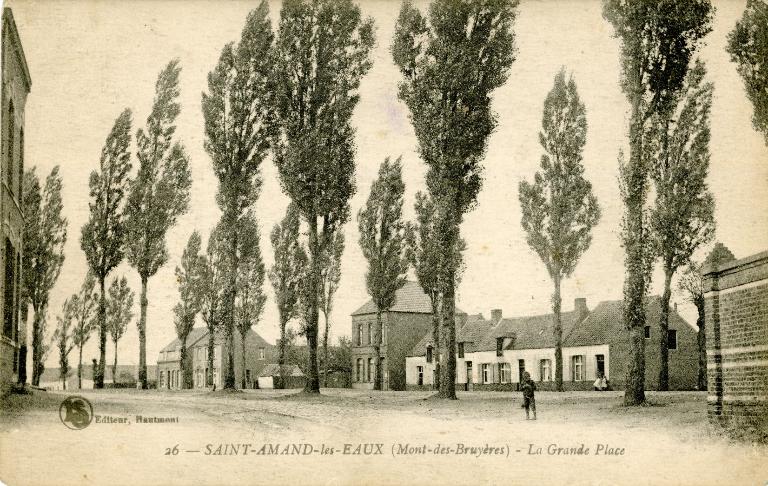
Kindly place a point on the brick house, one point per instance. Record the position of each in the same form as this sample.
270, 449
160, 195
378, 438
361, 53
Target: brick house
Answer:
16, 84
402, 328
493, 354
736, 313
258, 353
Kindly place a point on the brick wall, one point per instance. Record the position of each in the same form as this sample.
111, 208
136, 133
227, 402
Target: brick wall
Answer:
736, 313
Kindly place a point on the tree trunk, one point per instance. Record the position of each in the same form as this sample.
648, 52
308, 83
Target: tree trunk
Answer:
325, 351
114, 366
229, 381
23, 348
313, 380
436, 340
558, 330
142, 334
242, 360
80, 369
230, 294
183, 363
664, 330
701, 340
377, 352
281, 351
211, 345
447, 382
37, 343
98, 382
635, 285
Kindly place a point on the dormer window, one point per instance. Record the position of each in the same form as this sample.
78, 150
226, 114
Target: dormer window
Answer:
460, 350
429, 354
499, 346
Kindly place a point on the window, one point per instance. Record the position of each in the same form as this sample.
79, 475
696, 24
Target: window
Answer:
600, 364
9, 148
420, 372
10, 291
520, 369
20, 180
360, 334
429, 354
505, 373
162, 379
261, 353
371, 370
545, 370
370, 335
486, 371
647, 332
671, 339
499, 346
577, 363
359, 374
461, 350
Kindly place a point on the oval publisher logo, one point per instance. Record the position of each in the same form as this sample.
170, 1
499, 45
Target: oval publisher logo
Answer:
76, 412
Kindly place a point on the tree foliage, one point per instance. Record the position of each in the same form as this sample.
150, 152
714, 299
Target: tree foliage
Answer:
451, 61
383, 242
748, 47
44, 236
330, 276
212, 272
658, 40
102, 237
238, 110
62, 337
82, 307
559, 209
251, 299
119, 313
186, 310
158, 194
322, 52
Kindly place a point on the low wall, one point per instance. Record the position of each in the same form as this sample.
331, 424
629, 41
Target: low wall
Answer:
736, 316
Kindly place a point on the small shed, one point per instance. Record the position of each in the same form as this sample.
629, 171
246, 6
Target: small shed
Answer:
291, 377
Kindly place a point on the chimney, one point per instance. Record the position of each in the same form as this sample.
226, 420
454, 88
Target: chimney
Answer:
580, 306
495, 315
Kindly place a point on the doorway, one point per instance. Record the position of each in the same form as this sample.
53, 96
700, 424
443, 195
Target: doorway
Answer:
468, 386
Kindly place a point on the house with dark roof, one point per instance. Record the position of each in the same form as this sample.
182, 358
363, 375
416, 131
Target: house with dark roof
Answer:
258, 353
493, 354
403, 326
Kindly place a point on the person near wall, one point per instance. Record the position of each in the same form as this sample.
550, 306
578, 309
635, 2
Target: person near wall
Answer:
601, 383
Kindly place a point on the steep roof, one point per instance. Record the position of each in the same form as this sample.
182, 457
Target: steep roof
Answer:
606, 320
470, 333
199, 333
533, 332
409, 298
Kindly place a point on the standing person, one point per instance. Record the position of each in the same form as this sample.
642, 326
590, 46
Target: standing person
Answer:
529, 402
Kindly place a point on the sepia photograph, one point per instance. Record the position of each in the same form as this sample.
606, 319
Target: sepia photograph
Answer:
384, 242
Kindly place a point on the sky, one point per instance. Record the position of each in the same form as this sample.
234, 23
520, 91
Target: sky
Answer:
91, 59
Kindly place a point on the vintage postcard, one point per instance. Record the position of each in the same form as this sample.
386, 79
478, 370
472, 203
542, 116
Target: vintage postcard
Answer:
384, 242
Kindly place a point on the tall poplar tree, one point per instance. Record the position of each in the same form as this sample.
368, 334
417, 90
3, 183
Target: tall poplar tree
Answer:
44, 236
451, 61
238, 109
330, 275
158, 195
186, 310
383, 242
250, 301
682, 218
119, 313
559, 209
322, 52
658, 41
286, 273
748, 47
102, 237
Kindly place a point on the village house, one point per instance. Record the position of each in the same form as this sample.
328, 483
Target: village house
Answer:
16, 84
493, 354
258, 354
402, 327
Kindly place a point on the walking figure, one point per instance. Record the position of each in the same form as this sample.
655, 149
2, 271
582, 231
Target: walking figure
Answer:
529, 402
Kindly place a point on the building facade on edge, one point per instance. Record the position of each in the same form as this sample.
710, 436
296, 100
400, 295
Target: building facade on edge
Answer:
402, 327
16, 84
493, 354
258, 354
